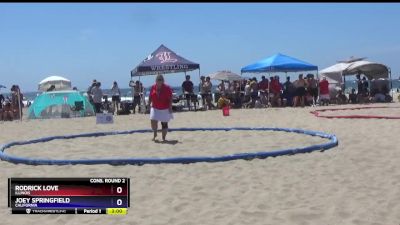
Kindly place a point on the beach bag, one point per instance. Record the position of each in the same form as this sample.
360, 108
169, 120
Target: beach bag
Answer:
225, 111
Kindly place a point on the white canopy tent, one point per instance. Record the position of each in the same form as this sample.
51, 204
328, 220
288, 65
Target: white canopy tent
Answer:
60, 83
371, 70
334, 73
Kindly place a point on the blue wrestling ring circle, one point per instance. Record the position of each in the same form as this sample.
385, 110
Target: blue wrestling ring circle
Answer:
194, 159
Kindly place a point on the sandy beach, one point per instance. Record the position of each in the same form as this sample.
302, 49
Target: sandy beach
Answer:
354, 183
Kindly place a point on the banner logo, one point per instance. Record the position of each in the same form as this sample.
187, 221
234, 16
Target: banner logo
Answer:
166, 57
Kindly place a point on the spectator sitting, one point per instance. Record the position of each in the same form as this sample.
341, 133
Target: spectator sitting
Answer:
16, 101
353, 96
258, 104
341, 98
223, 101
51, 88
7, 112
379, 97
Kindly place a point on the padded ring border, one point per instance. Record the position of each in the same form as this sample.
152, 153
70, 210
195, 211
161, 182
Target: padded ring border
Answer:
333, 141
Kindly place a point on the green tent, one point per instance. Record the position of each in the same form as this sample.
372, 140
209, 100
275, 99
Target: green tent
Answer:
60, 104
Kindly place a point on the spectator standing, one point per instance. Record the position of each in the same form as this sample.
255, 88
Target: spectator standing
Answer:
115, 96
97, 94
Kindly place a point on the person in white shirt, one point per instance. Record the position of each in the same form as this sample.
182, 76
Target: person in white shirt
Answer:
97, 97
115, 93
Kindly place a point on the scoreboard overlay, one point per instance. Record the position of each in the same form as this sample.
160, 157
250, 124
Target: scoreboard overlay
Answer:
69, 195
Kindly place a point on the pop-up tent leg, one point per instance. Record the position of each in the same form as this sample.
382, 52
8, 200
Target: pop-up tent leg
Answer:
391, 83
317, 88
344, 84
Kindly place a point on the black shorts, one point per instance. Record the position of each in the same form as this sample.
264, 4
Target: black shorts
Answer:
136, 100
191, 97
301, 91
313, 92
116, 98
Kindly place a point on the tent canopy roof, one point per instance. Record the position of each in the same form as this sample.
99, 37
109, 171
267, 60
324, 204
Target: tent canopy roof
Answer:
60, 83
54, 78
279, 63
352, 59
163, 60
371, 70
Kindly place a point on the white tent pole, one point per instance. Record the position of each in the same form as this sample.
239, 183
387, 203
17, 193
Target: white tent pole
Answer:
318, 86
199, 73
391, 84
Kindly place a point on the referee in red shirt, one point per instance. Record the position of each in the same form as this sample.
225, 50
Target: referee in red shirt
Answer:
160, 100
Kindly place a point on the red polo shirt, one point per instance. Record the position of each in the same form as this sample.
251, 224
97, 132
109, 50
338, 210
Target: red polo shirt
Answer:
163, 100
275, 86
263, 85
324, 87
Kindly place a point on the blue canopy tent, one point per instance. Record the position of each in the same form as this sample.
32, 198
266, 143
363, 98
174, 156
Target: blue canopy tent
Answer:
279, 63
162, 61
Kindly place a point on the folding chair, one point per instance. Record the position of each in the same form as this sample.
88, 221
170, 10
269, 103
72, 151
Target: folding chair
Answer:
77, 108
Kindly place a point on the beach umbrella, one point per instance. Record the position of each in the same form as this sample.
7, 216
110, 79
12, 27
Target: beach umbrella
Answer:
225, 75
60, 83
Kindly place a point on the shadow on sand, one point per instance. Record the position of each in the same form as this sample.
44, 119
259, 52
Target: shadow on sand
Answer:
170, 142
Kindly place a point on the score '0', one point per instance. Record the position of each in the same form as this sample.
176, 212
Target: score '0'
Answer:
119, 202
